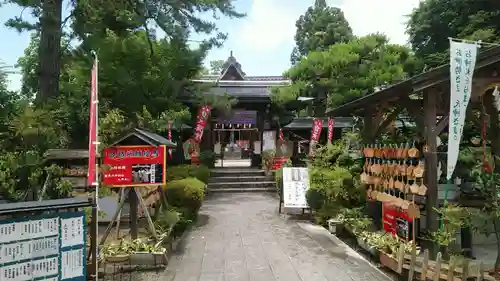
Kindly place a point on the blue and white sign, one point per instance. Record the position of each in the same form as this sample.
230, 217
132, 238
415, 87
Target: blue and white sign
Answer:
44, 248
462, 64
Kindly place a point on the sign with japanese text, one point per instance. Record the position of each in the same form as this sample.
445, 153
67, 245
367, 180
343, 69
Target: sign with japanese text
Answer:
43, 248
170, 138
295, 186
201, 122
462, 64
396, 221
315, 134
330, 129
135, 165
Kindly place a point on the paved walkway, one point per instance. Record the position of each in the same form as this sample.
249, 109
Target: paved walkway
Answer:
240, 237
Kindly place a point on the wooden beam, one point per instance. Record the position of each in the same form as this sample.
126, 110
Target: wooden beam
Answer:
442, 124
388, 120
431, 164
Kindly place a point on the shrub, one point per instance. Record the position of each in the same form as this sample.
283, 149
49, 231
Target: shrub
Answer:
180, 172
207, 158
186, 194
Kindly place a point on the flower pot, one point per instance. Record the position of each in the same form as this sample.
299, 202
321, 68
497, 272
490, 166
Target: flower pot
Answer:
120, 258
144, 258
333, 225
365, 246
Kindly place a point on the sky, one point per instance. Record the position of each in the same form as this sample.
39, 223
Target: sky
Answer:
263, 40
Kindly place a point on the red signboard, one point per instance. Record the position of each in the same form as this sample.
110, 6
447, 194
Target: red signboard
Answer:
389, 214
201, 122
396, 221
330, 129
135, 165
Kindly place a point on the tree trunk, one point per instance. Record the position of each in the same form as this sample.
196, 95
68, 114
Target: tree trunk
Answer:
494, 129
49, 51
496, 226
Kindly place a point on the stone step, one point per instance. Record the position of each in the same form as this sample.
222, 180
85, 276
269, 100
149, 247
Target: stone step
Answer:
238, 177
240, 184
228, 172
242, 189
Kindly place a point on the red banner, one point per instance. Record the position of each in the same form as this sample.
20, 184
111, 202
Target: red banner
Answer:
135, 165
315, 134
201, 122
91, 173
331, 123
170, 138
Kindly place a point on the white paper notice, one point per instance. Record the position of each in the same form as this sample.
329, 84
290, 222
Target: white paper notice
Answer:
72, 264
295, 186
72, 232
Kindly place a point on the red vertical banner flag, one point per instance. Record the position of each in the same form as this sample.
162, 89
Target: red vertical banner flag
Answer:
201, 122
315, 134
91, 174
331, 123
282, 138
170, 138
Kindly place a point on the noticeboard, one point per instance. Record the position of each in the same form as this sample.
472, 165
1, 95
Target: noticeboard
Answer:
45, 248
135, 165
295, 186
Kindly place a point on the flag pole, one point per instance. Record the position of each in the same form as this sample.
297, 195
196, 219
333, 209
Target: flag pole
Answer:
95, 212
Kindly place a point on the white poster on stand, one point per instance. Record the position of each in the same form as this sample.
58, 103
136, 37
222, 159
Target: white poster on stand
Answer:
295, 186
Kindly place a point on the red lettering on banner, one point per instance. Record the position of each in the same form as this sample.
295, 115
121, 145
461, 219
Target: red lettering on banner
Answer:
201, 122
330, 129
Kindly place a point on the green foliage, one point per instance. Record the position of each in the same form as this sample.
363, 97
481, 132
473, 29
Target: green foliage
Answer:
180, 172
354, 219
347, 71
320, 27
185, 193
431, 24
207, 158
268, 159
455, 218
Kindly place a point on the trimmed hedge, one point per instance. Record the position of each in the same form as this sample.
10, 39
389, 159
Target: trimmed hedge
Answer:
180, 172
185, 193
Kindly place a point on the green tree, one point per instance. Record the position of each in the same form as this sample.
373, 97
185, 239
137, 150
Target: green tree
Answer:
92, 20
346, 71
434, 21
320, 27
216, 66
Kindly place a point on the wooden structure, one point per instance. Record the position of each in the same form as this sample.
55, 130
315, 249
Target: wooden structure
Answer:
413, 267
252, 94
425, 98
136, 137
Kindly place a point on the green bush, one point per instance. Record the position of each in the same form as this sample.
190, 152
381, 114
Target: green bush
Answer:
207, 158
186, 194
180, 172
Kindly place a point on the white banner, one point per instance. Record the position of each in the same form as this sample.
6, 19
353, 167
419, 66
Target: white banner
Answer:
462, 63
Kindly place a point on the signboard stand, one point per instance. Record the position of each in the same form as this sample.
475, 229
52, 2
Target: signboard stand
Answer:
294, 185
135, 199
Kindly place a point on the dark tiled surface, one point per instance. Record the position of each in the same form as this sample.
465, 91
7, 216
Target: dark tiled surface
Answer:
240, 237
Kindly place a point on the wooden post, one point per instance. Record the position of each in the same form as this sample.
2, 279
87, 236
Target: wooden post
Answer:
134, 226
368, 125
431, 162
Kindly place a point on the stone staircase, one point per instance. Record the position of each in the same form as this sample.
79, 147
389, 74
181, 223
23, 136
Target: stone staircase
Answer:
240, 180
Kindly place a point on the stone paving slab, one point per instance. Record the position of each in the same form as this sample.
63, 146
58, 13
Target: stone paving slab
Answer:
241, 237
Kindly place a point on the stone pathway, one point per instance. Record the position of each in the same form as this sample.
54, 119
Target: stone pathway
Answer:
240, 237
